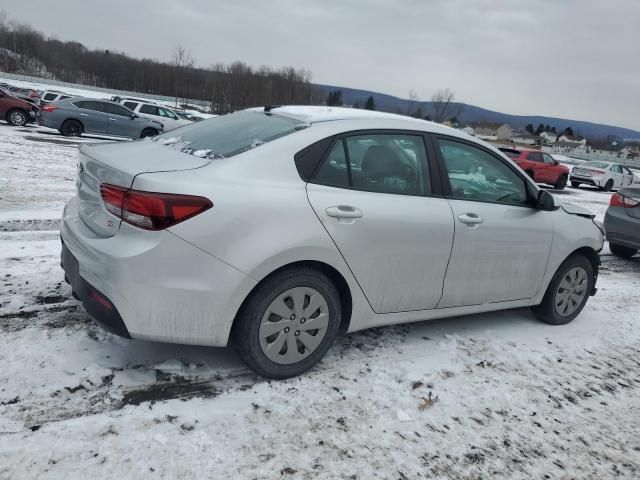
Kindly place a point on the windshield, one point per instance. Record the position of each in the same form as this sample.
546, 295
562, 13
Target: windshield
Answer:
595, 164
229, 135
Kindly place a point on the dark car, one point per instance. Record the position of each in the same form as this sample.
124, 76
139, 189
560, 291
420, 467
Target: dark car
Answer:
622, 222
540, 166
16, 111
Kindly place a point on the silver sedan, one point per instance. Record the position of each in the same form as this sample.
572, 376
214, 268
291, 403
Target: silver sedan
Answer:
277, 228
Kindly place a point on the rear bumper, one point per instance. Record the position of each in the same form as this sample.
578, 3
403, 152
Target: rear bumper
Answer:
161, 287
94, 302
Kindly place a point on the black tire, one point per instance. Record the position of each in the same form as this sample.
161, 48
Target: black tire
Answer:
608, 186
575, 184
561, 183
622, 251
149, 132
531, 175
547, 311
245, 332
17, 117
71, 128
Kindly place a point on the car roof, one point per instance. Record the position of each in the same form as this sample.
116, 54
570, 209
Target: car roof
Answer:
317, 114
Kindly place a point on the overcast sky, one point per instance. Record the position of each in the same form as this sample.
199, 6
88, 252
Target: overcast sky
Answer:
577, 59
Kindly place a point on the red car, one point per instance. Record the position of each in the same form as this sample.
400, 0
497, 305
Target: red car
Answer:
15, 111
540, 166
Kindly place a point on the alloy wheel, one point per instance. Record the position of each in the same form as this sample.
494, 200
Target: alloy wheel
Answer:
571, 291
294, 325
17, 118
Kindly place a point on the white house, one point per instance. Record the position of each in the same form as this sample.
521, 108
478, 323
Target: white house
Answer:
493, 131
549, 137
570, 139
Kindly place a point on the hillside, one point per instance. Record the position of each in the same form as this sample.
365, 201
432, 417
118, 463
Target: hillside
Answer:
472, 113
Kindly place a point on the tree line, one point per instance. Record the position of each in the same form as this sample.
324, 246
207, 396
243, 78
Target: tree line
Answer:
225, 87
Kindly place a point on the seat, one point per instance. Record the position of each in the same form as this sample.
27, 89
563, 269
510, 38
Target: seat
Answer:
383, 170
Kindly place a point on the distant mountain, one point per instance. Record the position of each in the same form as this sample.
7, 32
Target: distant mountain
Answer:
472, 114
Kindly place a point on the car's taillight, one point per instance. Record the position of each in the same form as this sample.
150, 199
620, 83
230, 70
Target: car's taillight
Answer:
618, 200
48, 108
601, 172
150, 210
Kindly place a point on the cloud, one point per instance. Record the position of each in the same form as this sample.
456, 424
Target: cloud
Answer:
575, 59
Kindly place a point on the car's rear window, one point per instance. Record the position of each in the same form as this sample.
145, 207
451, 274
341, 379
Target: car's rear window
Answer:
229, 135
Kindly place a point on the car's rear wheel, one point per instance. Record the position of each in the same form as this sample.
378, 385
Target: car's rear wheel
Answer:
561, 183
149, 132
17, 117
71, 128
622, 251
288, 323
608, 186
567, 292
575, 184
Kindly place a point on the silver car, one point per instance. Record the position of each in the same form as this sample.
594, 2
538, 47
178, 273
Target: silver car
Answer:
75, 116
277, 228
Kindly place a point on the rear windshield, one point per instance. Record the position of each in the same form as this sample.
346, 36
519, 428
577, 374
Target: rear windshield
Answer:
596, 164
229, 135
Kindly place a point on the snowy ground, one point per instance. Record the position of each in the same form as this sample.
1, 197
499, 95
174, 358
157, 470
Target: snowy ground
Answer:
488, 396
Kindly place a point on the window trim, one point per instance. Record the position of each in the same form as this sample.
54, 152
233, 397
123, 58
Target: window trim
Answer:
430, 163
531, 189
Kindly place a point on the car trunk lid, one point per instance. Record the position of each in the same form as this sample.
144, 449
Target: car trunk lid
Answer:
633, 194
118, 164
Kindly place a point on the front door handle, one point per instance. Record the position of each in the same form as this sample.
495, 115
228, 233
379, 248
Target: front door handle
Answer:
113, 119
84, 114
344, 211
470, 219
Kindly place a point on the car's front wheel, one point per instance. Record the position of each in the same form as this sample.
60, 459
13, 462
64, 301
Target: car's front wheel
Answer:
622, 251
288, 323
568, 291
17, 117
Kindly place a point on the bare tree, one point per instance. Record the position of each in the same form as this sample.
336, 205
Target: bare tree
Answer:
182, 60
443, 106
412, 102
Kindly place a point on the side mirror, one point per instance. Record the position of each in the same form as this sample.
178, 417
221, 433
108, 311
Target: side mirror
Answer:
545, 201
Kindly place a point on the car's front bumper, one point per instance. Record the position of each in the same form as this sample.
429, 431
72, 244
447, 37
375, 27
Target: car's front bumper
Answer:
594, 181
161, 287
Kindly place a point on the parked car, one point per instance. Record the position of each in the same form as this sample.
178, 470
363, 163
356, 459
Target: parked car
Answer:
51, 96
24, 93
540, 166
75, 116
622, 222
278, 228
16, 111
152, 111
605, 175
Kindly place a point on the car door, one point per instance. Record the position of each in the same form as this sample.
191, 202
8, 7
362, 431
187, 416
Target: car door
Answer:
374, 195
120, 121
501, 243
92, 115
616, 175
628, 176
550, 169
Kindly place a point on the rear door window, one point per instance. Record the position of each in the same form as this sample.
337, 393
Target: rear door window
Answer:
384, 163
112, 109
49, 96
149, 109
535, 157
229, 135
131, 105
90, 105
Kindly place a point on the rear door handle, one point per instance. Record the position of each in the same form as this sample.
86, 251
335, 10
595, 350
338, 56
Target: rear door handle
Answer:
344, 211
470, 219
113, 119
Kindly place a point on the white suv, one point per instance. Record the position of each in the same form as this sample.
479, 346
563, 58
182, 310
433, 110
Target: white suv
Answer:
153, 111
53, 96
